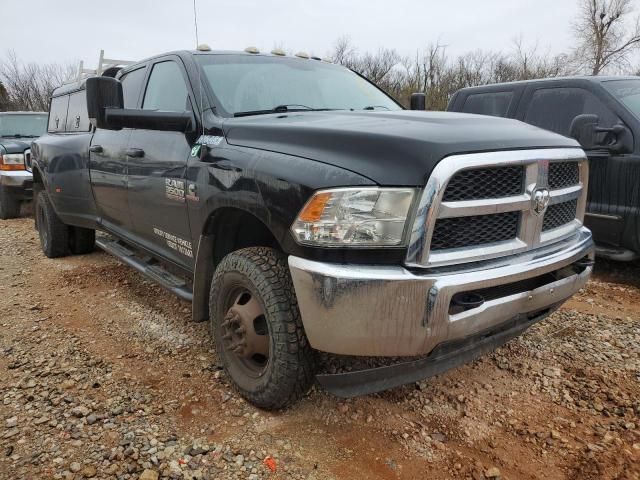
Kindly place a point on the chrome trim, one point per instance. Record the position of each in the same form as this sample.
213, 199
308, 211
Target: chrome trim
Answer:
15, 178
431, 207
27, 159
391, 311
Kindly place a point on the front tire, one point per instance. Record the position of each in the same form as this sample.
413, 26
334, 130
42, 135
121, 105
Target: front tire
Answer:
257, 328
9, 204
54, 235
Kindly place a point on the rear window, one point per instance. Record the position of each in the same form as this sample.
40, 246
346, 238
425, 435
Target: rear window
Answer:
58, 113
495, 104
77, 116
131, 87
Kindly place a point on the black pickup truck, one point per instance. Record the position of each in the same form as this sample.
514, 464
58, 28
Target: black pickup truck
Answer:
603, 114
301, 209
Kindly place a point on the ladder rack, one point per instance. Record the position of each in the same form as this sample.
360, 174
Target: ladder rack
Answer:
104, 64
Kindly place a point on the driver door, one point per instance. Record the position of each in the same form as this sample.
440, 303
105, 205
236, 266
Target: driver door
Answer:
157, 164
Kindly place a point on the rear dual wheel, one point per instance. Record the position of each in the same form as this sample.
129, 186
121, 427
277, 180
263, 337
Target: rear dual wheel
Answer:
257, 328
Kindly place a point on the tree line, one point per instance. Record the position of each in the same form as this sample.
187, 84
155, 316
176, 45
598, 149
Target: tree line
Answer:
606, 37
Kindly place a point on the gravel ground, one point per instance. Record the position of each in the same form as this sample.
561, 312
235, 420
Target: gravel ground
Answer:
102, 375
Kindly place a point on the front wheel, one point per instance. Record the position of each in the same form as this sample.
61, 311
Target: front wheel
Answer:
257, 328
54, 235
9, 204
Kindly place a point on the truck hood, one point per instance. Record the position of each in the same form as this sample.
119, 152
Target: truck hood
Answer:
12, 145
391, 148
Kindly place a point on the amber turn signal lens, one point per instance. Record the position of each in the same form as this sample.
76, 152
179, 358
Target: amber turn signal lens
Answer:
11, 167
313, 210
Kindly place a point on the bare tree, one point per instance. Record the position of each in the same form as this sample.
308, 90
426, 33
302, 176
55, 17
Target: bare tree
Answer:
4, 98
603, 38
29, 86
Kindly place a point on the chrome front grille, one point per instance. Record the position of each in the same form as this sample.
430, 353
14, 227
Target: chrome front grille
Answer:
487, 205
482, 183
559, 214
476, 230
563, 174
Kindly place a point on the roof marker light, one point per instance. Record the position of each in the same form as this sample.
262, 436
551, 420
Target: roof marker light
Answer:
203, 47
278, 51
253, 50
302, 55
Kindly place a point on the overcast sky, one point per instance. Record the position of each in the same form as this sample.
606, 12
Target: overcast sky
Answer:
73, 30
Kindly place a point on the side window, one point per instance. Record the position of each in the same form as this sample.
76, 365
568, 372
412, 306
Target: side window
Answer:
490, 103
166, 89
131, 87
77, 116
58, 113
555, 108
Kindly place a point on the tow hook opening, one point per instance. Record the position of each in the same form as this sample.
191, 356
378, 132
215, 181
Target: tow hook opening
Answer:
465, 301
583, 263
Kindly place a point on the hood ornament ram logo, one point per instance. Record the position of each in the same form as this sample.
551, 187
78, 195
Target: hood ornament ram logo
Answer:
540, 200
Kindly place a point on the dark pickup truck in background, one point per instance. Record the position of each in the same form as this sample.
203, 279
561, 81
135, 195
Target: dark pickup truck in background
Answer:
299, 208
17, 131
603, 113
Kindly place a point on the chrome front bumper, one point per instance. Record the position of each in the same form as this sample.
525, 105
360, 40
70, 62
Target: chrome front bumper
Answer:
16, 179
391, 311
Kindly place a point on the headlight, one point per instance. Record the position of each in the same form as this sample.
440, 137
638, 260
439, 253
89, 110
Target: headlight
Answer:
354, 217
12, 161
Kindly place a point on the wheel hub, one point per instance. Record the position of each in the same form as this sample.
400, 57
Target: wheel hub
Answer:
245, 333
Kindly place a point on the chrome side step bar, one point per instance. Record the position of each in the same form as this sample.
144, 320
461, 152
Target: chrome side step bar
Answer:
147, 267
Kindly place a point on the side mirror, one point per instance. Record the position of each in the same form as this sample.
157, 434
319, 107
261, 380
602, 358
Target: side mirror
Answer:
617, 139
583, 129
622, 141
102, 93
418, 101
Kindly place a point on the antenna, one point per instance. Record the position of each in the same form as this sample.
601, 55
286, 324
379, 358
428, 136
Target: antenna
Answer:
195, 24
195, 21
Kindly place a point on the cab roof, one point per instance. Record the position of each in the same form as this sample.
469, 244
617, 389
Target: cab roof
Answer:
579, 78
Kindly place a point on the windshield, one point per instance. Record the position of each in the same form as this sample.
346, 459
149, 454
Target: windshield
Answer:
16, 125
243, 83
627, 91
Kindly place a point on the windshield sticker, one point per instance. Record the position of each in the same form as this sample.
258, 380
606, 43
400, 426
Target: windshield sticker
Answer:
212, 140
195, 151
175, 243
174, 189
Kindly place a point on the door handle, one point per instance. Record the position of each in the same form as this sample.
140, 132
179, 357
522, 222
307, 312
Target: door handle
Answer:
135, 152
96, 149
226, 165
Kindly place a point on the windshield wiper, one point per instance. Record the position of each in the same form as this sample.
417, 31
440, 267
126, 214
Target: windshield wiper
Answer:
293, 107
373, 107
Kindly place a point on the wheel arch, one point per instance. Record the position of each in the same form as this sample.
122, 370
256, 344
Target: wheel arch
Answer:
226, 229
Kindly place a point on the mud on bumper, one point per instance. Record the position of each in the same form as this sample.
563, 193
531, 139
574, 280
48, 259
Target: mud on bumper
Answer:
391, 311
